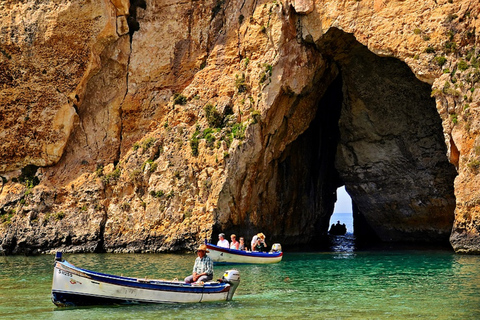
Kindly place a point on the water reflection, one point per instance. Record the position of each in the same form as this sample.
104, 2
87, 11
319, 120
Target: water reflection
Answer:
345, 243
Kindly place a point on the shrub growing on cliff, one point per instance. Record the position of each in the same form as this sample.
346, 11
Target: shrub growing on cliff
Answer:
451, 17
59, 215
28, 176
446, 86
267, 73
268, 69
194, 146
450, 46
112, 176
152, 166
440, 60
46, 218
475, 62
474, 164
429, 50
179, 99
99, 171
462, 65
477, 150
135, 174
238, 131
157, 194
207, 134
214, 118
6, 217
256, 116
194, 143
240, 83
454, 118
147, 143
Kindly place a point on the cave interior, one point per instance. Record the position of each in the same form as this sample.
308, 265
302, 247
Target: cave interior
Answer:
377, 132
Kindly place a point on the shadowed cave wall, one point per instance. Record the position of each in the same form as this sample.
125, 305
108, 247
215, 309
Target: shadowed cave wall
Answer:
376, 131
391, 153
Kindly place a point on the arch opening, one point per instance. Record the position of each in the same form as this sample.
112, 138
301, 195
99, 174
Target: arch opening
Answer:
342, 214
376, 131
368, 124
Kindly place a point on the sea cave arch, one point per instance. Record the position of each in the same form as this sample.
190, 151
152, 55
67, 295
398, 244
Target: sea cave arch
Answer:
376, 131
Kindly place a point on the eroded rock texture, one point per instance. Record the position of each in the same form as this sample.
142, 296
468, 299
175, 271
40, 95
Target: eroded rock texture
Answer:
137, 126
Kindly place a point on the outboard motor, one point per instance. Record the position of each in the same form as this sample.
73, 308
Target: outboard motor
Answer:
276, 247
233, 278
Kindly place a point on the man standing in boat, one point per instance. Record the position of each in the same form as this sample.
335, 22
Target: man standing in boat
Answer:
203, 267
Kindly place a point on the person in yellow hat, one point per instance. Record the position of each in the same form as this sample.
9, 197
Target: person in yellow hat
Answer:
203, 267
260, 244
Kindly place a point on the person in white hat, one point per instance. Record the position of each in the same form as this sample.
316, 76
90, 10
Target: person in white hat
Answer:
203, 267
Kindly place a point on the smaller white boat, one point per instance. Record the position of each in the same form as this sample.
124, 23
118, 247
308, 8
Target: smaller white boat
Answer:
225, 255
73, 286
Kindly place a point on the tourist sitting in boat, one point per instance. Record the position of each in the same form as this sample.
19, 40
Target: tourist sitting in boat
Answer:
203, 267
338, 229
222, 242
241, 245
254, 241
260, 244
234, 244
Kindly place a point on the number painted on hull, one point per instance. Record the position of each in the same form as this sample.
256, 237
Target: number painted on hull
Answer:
65, 273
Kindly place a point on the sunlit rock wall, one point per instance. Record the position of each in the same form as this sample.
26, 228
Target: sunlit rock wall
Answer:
155, 123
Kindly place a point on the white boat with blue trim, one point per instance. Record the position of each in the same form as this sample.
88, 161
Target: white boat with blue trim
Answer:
73, 286
225, 255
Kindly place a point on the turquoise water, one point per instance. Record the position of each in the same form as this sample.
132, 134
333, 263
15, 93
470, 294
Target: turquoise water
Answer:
348, 285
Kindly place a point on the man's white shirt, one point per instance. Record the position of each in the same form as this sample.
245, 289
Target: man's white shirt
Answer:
223, 243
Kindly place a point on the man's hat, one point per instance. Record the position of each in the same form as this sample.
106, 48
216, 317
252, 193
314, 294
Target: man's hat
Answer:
203, 247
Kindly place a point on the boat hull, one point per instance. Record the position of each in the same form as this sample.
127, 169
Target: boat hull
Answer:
224, 255
73, 286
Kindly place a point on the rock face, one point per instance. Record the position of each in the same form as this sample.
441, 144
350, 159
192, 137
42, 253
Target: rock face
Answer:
148, 126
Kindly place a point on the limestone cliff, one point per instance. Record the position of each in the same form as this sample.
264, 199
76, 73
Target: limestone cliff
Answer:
147, 126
